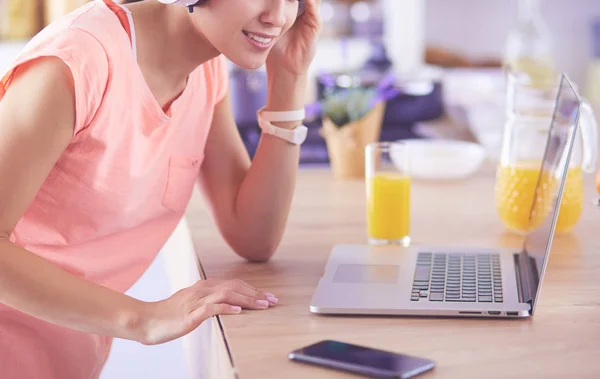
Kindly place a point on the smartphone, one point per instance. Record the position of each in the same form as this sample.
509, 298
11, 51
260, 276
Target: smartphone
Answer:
362, 360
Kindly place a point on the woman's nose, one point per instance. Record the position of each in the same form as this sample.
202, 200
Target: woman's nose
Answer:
275, 15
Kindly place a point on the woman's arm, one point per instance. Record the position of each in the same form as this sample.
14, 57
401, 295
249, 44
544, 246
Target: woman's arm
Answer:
250, 202
37, 118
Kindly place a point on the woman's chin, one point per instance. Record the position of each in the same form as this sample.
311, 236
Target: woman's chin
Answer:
248, 63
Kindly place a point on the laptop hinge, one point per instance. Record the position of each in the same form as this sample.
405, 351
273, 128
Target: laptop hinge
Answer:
527, 277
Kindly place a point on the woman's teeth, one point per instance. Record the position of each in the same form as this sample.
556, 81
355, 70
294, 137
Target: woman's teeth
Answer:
258, 38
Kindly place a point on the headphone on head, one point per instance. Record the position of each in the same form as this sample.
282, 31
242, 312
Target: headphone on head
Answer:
191, 3
186, 3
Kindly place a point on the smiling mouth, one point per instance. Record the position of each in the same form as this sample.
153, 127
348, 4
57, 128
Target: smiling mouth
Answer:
264, 41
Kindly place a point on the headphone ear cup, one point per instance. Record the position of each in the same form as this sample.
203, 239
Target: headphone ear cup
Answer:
199, 2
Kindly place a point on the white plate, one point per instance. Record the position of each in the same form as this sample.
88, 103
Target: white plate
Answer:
439, 159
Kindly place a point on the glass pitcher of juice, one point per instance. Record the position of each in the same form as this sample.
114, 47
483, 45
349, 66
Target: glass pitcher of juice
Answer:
529, 109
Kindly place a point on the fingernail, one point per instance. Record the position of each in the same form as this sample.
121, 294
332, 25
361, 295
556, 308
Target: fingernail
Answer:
272, 299
236, 309
269, 294
262, 303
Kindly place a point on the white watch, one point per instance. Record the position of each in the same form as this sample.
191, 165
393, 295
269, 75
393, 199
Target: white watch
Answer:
296, 136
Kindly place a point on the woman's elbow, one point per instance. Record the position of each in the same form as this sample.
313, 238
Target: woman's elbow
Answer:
256, 251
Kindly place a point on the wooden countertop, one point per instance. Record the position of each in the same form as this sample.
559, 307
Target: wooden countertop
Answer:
562, 339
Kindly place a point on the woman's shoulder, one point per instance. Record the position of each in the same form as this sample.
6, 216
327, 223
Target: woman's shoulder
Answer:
213, 77
77, 39
82, 41
90, 30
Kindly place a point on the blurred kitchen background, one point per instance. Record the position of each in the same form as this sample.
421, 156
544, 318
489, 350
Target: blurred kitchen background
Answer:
447, 58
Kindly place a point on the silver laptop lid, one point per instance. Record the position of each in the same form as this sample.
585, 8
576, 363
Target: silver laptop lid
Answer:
550, 185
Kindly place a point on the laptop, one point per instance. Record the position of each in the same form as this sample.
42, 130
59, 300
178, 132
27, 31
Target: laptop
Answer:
443, 281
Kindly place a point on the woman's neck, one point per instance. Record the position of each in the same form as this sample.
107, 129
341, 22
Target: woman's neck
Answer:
167, 41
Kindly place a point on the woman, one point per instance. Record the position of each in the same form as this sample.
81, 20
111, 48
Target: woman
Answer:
107, 119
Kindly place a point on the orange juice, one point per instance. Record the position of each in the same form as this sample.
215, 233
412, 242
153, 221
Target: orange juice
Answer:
388, 206
572, 201
515, 187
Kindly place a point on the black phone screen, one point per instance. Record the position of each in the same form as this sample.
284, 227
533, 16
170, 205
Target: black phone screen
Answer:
362, 359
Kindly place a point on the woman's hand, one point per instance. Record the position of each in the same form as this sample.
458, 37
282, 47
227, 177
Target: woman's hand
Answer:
295, 50
183, 312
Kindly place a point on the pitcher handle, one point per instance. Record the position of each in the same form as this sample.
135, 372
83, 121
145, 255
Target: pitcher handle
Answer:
589, 134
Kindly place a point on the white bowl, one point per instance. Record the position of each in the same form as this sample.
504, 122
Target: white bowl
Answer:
439, 159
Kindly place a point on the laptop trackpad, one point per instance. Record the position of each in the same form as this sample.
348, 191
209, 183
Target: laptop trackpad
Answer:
357, 273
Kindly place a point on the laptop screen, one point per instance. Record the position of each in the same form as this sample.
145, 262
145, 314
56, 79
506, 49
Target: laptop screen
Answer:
551, 181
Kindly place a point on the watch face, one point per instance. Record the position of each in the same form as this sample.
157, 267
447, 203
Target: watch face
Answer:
300, 134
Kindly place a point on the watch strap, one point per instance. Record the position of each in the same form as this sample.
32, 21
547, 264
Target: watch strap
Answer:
282, 116
295, 136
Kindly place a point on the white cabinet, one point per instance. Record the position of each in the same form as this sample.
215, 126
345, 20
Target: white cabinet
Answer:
8, 52
199, 355
129, 359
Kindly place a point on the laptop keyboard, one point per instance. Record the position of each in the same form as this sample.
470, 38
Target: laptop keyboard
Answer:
457, 277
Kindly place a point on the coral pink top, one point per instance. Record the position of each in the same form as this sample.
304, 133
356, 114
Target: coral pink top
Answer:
120, 188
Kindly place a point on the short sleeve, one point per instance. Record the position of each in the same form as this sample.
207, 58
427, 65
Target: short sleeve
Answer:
87, 61
221, 77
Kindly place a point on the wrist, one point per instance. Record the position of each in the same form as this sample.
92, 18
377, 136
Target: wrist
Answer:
286, 92
135, 320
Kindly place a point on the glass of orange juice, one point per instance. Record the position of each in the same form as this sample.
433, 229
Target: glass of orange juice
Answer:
388, 182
